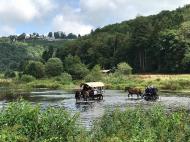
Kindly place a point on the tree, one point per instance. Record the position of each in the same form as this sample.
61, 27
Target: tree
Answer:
95, 74
71, 36
54, 67
172, 50
124, 68
63, 36
74, 66
50, 34
35, 69
56, 35
48, 53
10, 74
12, 38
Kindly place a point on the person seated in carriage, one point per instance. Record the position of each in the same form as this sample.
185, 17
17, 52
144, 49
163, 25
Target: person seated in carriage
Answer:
151, 90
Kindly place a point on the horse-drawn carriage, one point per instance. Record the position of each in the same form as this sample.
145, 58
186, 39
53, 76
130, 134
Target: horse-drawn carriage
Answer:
150, 93
90, 91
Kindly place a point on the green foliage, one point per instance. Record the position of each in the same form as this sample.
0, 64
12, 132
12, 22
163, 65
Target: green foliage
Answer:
142, 125
29, 123
11, 134
95, 74
27, 78
124, 68
50, 84
64, 78
10, 74
54, 67
48, 53
74, 66
22, 121
142, 42
11, 56
35, 69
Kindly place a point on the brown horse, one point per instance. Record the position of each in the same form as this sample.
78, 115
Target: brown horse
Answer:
132, 91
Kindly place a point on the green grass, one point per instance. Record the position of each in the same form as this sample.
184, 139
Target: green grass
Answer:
162, 82
21, 121
140, 125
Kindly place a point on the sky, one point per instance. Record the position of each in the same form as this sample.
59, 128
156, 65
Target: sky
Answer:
74, 16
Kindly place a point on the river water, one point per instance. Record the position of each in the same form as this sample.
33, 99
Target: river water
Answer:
90, 112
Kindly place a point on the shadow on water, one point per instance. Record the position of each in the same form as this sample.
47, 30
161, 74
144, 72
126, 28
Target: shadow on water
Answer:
91, 111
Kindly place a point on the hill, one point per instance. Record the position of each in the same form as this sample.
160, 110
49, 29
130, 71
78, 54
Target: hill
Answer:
157, 43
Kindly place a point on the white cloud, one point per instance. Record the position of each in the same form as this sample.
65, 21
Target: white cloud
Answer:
6, 30
102, 12
77, 16
18, 11
71, 21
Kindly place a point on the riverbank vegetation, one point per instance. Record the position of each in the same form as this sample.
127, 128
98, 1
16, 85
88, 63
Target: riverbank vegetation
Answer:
21, 121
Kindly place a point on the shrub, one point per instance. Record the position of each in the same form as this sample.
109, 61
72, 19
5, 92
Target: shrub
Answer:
138, 124
27, 78
50, 84
124, 68
10, 74
35, 69
54, 67
29, 123
74, 66
64, 78
95, 74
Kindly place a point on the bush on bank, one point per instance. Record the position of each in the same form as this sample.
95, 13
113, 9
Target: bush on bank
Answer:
21, 121
139, 125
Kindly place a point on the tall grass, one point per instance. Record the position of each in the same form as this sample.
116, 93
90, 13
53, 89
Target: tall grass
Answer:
139, 125
21, 121
162, 82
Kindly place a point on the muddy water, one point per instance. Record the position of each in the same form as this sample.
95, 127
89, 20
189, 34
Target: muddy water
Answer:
93, 110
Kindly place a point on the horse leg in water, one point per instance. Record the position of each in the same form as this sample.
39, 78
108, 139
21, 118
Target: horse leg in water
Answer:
77, 95
137, 95
129, 95
86, 95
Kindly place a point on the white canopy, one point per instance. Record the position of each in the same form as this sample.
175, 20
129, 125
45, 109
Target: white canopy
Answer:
95, 84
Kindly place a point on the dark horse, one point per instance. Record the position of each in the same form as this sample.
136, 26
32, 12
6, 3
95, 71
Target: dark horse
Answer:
82, 95
78, 95
132, 91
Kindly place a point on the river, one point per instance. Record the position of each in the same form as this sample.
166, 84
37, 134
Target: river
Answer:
90, 112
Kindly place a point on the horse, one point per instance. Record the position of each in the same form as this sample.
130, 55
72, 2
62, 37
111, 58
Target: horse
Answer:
132, 91
78, 95
85, 95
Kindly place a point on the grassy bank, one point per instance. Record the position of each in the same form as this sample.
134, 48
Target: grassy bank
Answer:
21, 121
171, 83
162, 82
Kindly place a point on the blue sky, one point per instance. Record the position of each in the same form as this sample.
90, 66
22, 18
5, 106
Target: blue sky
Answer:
76, 16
